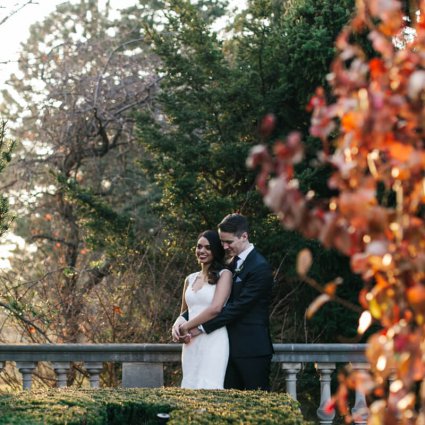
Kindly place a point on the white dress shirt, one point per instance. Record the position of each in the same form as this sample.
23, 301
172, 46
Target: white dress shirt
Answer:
242, 255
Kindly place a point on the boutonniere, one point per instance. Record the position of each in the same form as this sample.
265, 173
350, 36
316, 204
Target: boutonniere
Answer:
237, 270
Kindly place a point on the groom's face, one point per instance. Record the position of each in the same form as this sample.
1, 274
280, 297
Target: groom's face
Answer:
233, 244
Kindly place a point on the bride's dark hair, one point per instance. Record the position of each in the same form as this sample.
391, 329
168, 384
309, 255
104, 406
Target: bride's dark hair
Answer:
218, 253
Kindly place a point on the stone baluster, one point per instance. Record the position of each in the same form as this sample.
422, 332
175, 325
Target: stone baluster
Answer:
26, 369
325, 371
291, 370
94, 369
61, 369
360, 410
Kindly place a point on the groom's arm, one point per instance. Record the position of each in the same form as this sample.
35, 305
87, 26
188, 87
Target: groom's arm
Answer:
255, 287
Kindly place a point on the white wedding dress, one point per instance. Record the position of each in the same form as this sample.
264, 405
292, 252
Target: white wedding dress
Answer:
204, 359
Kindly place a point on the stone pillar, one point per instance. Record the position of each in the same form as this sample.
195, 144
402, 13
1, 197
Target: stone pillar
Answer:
26, 369
142, 375
291, 370
360, 410
61, 369
94, 369
325, 371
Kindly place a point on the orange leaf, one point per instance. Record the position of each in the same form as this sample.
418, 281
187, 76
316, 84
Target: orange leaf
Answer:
281, 150
117, 310
416, 297
350, 121
377, 67
330, 288
400, 151
380, 280
362, 298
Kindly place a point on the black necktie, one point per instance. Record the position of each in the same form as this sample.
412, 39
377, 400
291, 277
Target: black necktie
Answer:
234, 263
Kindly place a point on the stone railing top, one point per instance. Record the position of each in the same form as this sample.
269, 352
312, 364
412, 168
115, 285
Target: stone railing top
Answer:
320, 353
91, 352
170, 352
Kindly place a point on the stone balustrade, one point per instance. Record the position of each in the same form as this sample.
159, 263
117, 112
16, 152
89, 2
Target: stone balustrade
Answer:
142, 364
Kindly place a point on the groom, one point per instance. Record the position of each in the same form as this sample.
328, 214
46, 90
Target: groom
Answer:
246, 315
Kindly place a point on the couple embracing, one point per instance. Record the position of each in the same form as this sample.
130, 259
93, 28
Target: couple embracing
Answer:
225, 312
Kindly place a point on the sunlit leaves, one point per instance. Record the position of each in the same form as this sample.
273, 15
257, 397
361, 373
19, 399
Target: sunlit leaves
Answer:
400, 152
416, 298
377, 214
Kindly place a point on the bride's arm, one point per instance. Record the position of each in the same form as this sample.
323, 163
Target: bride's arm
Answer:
183, 307
221, 295
175, 331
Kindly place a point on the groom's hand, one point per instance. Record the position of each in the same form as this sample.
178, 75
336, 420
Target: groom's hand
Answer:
194, 332
185, 339
186, 335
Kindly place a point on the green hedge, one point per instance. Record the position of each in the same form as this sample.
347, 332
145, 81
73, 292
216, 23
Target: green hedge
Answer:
141, 406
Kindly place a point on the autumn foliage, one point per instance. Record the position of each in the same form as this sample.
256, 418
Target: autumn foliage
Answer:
373, 135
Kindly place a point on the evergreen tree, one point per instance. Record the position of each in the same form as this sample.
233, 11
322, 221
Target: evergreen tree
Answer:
214, 94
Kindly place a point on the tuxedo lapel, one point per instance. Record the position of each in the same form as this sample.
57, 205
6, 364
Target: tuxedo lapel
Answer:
240, 273
246, 265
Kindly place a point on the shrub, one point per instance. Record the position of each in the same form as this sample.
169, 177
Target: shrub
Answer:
141, 406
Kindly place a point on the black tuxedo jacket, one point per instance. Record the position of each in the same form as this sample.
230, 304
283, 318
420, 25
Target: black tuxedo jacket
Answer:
246, 314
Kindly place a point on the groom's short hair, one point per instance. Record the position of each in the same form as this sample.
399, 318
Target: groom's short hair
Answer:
234, 223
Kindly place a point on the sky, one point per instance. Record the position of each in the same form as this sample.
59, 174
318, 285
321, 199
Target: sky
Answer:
16, 29
13, 32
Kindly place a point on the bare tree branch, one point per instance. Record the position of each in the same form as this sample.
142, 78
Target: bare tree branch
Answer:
16, 10
99, 81
22, 318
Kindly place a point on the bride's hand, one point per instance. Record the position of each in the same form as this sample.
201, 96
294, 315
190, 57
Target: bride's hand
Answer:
186, 339
185, 334
175, 330
192, 333
183, 329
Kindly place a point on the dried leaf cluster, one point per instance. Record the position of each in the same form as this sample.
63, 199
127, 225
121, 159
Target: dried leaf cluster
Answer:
373, 137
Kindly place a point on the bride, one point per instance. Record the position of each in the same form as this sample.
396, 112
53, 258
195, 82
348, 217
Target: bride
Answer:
204, 358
